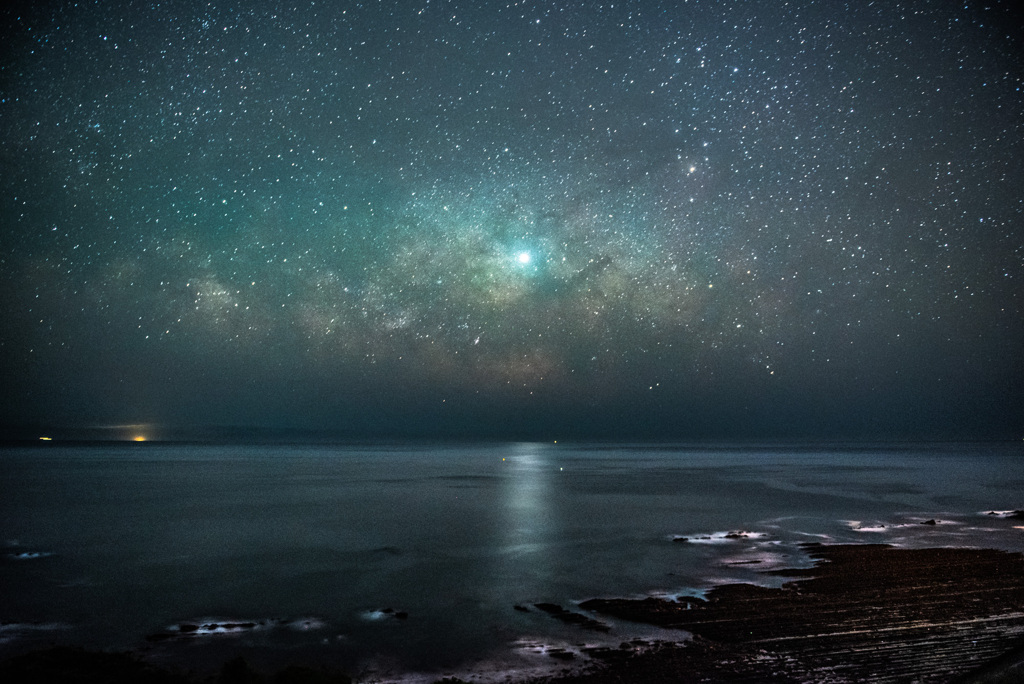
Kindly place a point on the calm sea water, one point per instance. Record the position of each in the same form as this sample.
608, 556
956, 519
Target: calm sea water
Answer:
387, 561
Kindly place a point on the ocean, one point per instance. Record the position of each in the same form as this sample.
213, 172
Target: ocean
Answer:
414, 561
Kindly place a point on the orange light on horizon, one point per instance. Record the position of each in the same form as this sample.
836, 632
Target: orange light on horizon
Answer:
139, 438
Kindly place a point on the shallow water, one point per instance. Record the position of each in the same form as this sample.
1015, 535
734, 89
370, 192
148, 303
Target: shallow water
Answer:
391, 560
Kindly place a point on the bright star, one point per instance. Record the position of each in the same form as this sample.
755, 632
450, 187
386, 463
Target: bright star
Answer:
523, 258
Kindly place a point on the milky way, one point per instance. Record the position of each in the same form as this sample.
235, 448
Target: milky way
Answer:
631, 218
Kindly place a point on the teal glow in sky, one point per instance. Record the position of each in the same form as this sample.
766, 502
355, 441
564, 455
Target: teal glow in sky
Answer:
461, 218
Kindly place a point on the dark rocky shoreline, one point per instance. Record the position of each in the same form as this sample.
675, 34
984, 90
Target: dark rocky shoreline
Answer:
862, 613
867, 612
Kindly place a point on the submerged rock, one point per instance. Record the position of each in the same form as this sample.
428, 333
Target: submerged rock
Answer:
1009, 515
561, 614
194, 629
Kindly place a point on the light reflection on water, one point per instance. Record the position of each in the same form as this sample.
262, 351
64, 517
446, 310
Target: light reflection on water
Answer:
116, 543
526, 489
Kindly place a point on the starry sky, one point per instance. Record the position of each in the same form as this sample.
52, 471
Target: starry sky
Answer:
689, 219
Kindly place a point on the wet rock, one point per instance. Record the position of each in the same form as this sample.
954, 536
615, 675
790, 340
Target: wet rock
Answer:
386, 614
551, 608
914, 614
1009, 515
561, 614
29, 555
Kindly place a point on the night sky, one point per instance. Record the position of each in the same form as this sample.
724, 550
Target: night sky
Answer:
685, 220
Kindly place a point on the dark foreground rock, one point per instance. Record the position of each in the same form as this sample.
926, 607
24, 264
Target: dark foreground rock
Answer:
862, 613
77, 666
64, 665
